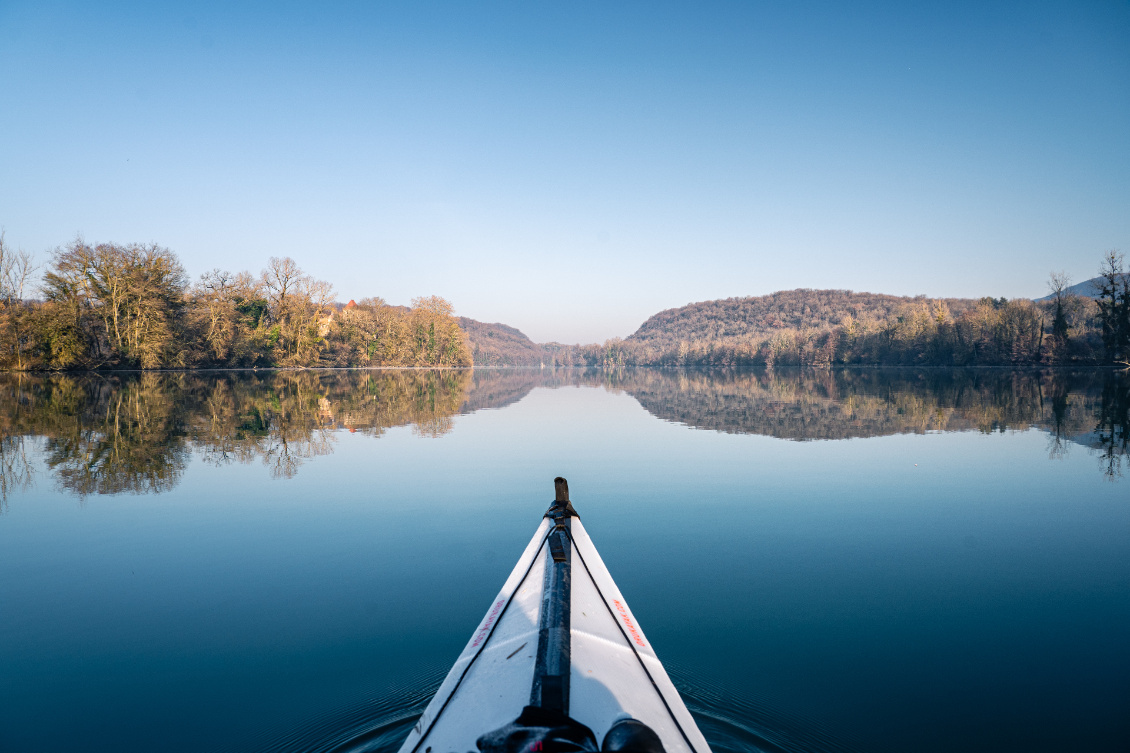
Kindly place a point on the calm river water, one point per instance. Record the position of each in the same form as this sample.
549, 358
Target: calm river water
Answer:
290, 561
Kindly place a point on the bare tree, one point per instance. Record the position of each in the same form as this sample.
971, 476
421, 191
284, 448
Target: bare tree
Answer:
434, 304
297, 306
16, 269
226, 313
1058, 283
280, 278
1114, 308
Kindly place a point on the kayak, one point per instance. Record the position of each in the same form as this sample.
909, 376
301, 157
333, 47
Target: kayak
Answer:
558, 663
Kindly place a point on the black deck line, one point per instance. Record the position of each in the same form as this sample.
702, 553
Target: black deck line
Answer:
486, 642
631, 645
550, 687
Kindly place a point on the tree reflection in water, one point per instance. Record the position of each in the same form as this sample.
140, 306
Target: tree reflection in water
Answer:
16, 470
1113, 430
107, 434
1089, 409
113, 433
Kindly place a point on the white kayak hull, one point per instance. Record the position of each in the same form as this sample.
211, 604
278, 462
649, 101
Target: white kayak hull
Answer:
613, 670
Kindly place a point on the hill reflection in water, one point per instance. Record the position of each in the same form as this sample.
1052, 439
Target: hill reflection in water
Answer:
106, 434
1090, 409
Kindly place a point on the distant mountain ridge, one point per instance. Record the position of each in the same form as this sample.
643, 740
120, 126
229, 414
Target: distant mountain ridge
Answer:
1086, 289
797, 310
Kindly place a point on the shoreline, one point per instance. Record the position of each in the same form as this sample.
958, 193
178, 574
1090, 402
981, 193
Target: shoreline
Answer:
1097, 368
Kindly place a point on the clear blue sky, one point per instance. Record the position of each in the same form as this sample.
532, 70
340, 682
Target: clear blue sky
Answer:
572, 168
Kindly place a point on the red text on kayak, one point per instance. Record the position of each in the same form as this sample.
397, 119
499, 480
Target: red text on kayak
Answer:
628, 623
487, 625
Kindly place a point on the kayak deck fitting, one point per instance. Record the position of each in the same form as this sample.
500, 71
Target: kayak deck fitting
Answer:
558, 663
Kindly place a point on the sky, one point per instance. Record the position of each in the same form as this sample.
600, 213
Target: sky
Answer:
571, 169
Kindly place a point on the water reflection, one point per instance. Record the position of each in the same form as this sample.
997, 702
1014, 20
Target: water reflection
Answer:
1090, 409
1112, 434
16, 469
106, 434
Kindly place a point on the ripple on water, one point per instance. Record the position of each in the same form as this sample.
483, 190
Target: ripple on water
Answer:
375, 725
734, 723
730, 723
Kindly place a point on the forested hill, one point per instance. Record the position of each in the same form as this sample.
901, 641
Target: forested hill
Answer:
821, 328
824, 327
758, 316
500, 345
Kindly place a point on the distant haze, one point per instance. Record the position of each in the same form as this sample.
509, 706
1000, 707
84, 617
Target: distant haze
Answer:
571, 169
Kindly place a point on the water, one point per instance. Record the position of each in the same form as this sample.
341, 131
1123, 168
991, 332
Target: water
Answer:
825, 562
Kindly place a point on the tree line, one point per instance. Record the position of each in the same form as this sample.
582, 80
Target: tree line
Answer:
825, 328
133, 306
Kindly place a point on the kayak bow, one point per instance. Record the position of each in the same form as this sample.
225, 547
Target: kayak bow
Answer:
558, 662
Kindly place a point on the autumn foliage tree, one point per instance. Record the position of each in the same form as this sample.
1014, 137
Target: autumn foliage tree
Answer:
436, 335
117, 305
372, 333
296, 306
227, 314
